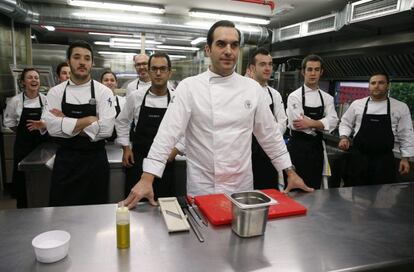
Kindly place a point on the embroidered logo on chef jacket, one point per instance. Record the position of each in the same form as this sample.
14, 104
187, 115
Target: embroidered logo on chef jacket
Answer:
294, 106
110, 102
248, 104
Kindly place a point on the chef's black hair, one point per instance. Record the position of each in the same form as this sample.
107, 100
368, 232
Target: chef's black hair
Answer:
108, 72
311, 58
159, 55
380, 73
82, 44
258, 51
60, 66
223, 23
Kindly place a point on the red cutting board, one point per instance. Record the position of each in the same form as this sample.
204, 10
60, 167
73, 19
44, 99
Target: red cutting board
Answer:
217, 207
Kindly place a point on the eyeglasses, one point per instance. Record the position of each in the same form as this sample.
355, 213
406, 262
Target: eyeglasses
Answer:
162, 69
141, 64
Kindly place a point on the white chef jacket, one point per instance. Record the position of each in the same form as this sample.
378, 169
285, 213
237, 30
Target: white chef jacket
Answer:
132, 86
80, 94
121, 100
401, 123
14, 108
278, 107
217, 115
312, 99
131, 112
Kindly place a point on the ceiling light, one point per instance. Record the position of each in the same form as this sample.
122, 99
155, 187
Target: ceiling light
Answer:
33, 36
124, 40
198, 40
207, 25
115, 53
117, 18
112, 6
173, 47
178, 39
235, 18
50, 28
177, 56
110, 34
123, 45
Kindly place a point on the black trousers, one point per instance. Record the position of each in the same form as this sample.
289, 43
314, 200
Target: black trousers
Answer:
371, 169
80, 177
306, 154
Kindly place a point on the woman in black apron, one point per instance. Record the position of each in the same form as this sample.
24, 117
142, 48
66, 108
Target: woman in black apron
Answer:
27, 136
306, 151
265, 176
372, 158
81, 169
142, 137
109, 79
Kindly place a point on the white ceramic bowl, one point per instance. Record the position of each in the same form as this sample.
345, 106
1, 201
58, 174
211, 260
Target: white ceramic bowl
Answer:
51, 246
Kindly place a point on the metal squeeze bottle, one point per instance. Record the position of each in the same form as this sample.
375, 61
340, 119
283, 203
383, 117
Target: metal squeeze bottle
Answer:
122, 227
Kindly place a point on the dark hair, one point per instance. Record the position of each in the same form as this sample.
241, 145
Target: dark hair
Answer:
82, 44
160, 55
60, 66
25, 71
380, 73
223, 23
311, 58
258, 51
23, 74
108, 72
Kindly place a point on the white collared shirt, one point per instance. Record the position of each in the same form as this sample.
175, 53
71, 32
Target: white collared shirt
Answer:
278, 108
78, 95
14, 108
294, 108
401, 123
131, 112
217, 115
132, 86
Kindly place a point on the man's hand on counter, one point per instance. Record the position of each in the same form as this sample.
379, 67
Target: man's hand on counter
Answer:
343, 144
127, 157
404, 167
296, 182
143, 189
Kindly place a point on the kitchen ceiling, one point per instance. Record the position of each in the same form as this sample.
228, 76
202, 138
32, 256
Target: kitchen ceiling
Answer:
286, 12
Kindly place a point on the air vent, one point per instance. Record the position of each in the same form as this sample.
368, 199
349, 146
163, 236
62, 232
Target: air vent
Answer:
368, 9
290, 32
321, 25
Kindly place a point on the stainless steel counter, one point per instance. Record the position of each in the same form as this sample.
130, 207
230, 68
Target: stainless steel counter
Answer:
346, 229
38, 174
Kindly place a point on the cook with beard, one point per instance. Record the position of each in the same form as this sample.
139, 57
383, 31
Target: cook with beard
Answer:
379, 124
81, 112
22, 111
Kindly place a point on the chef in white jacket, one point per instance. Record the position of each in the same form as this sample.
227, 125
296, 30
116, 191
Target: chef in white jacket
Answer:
378, 124
217, 111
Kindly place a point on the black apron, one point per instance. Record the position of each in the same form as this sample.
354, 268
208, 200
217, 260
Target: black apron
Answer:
306, 151
81, 170
26, 141
142, 138
372, 158
265, 176
118, 110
